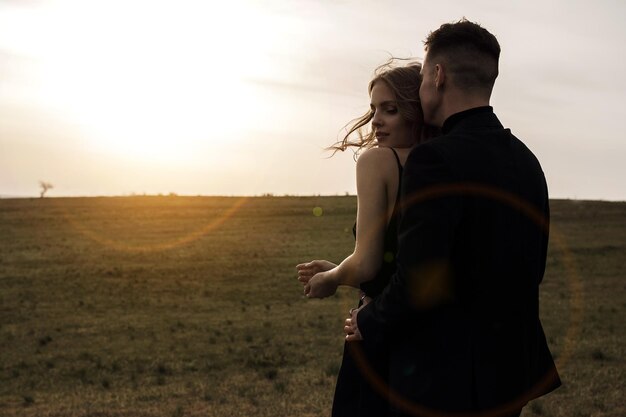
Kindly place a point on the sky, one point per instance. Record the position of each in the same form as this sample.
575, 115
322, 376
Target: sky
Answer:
240, 97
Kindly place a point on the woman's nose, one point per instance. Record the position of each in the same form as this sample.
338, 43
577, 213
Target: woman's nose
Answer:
376, 121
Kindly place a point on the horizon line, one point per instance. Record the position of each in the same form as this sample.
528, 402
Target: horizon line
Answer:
262, 195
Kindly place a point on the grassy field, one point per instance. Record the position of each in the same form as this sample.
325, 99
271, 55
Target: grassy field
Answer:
189, 306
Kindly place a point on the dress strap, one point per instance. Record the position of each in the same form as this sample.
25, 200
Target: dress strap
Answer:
395, 208
397, 160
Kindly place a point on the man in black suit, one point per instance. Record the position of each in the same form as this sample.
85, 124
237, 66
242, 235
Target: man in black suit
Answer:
461, 314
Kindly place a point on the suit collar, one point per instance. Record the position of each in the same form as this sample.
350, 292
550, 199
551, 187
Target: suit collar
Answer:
482, 116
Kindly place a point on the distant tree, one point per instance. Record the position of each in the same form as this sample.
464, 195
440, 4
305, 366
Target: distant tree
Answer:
45, 186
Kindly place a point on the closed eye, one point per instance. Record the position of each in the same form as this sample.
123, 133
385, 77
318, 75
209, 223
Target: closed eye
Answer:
388, 110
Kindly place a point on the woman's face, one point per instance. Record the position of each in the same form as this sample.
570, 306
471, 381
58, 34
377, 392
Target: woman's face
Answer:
390, 128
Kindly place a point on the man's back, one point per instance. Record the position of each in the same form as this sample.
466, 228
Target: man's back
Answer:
473, 243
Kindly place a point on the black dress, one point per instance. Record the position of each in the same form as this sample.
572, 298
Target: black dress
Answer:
362, 379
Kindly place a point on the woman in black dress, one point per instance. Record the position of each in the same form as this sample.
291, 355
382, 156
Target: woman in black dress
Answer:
396, 126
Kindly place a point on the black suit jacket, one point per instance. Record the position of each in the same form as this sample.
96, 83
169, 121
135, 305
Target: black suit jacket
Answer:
461, 314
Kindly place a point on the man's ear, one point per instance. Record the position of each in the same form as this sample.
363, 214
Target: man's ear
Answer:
440, 76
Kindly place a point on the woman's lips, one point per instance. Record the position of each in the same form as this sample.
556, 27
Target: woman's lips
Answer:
381, 135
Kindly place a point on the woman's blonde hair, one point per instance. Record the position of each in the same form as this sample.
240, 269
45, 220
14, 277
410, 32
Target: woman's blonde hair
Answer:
405, 83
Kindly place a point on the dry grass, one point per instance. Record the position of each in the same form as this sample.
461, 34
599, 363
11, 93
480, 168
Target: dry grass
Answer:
181, 306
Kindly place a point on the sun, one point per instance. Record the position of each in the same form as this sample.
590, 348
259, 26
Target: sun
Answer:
153, 81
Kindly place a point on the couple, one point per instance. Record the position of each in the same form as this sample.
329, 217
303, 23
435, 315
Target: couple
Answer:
451, 242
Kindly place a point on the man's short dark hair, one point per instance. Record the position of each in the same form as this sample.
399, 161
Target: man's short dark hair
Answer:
469, 52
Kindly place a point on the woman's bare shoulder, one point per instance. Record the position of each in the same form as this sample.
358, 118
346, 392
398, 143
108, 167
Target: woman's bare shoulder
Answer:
377, 157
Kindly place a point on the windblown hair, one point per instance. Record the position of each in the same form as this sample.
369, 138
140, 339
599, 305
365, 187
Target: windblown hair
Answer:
470, 53
405, 83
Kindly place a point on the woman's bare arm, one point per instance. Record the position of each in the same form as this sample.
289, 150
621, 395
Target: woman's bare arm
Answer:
373, 171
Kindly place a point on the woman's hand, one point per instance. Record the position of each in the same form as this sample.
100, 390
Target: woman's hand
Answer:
321, 285
351, 328
307, 270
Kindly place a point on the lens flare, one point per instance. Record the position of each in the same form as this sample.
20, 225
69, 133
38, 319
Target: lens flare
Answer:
122, 246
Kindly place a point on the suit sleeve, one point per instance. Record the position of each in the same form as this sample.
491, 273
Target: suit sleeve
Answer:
545, 237
430, 214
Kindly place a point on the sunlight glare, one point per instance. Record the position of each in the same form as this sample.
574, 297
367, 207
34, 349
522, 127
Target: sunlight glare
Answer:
156, 80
